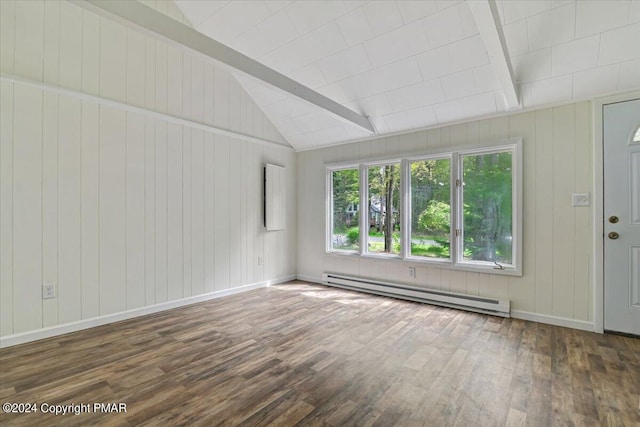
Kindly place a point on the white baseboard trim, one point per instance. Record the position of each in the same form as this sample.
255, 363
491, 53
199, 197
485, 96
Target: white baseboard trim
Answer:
24, 337
311, 279
554, 320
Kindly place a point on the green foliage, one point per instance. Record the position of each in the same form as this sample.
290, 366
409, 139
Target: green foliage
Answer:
436, 218
353, 236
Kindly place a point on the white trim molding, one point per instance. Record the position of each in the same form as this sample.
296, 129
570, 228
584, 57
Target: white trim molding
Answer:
553, 320
53, 331
100, 100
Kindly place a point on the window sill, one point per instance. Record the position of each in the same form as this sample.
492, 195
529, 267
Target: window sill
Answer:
435, 263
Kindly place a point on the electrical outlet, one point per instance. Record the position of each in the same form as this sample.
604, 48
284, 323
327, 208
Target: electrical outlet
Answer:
259, 260
49, 291
580, 199
412, 272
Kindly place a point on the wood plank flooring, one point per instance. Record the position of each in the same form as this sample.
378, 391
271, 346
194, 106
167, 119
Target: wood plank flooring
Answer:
302, 354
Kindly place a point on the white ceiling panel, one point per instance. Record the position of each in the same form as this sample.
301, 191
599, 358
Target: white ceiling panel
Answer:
551, 27
574, 56
411, 64
345, 64
415, 9
400, 43
597, 16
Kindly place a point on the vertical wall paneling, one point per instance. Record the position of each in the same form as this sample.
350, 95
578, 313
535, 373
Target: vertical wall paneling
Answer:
135, 227
197, 90
150, 210
136, 71
243, 234
161, 197
70, 45
187, 170
523, 288
27, 209
90, 210
113, 60
186, 86
6, 205
543, 212
583, 182
174, 212
209, 213
563, 212
52, 52
7, 35
121, 210
150, 74
112, 157
234, 219
197, 213
69, 210
51, 70
161, 77
29, 38
174, 81
90, 53
222, 212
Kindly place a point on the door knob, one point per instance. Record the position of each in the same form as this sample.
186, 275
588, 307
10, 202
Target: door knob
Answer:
613, 235
613, 219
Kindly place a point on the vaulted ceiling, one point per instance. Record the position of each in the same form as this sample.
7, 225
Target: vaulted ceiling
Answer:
415, 64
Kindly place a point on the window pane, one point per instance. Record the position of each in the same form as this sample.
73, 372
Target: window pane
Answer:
487, 208
345, 195
384, 209
430, 209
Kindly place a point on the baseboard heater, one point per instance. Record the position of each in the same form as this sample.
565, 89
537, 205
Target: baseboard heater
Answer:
429, 296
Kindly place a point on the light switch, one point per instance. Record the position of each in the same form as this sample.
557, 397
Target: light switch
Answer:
580, 199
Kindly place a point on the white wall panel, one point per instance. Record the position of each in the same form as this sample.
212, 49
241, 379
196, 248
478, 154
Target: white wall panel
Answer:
135, 227
29, 39
123, 211
27, 209
186, 211
6, 204
50, 204
222, 212
52, 52
90, 210
112, 189
174, 213
7, 35
197, 213
69, 209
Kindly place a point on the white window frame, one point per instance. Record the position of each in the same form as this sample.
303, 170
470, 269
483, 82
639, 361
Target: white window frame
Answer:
364, 201
329, 203
456, 260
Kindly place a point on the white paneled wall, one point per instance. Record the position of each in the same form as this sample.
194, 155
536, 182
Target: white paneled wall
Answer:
121, 209
557, 245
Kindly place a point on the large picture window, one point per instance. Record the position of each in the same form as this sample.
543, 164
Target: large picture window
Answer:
459, 209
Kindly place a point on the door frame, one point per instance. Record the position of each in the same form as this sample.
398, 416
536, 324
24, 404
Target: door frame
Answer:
598, 203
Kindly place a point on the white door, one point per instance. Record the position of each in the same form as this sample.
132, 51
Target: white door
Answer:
622, 217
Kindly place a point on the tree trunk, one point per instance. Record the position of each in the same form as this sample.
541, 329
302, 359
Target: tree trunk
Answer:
388, 220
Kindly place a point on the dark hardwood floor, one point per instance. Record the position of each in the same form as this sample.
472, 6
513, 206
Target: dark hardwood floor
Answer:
301, 354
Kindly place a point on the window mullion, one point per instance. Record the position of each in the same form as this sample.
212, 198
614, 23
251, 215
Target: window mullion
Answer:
364, 209
456, 210
405, 209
